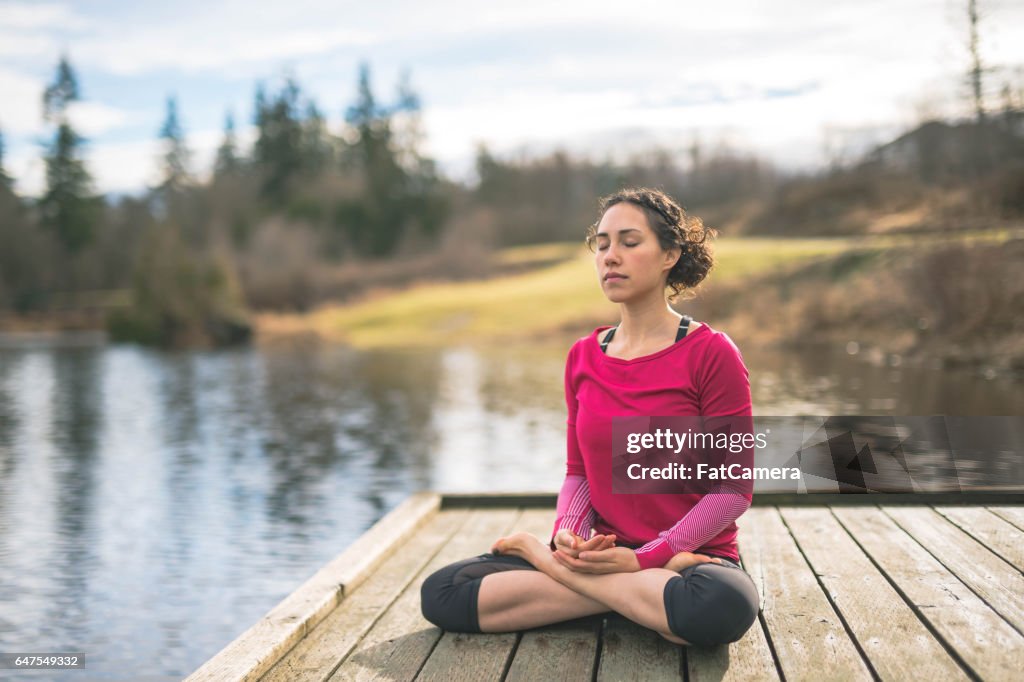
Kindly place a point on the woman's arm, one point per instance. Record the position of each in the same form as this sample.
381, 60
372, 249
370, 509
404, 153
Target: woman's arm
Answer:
709, 517
573, 510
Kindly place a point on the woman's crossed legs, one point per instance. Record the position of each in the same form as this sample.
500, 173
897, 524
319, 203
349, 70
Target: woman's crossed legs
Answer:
524, 586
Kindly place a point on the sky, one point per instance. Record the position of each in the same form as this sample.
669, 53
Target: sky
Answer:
794, 81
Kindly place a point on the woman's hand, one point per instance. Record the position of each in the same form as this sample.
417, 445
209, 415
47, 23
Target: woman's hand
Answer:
572, 544
610, 560
686, 559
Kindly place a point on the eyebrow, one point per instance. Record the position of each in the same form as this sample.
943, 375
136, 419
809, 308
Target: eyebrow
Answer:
627, 229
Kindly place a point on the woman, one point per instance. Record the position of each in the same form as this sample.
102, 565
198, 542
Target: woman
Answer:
665, 561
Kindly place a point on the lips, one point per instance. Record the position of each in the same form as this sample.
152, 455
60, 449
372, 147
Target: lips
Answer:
611, 276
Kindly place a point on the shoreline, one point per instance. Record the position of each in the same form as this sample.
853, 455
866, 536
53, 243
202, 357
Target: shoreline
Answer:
948, 306
983, 358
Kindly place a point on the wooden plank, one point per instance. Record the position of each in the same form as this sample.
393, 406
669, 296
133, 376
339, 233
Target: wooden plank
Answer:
630, 651
748, 659
469, 657
453, 500
809, 639
991, 578
322, 650
257, 649
914, 499
399, 643
999, 535
633, 653
540, 522
986, 643
463, 657
896, 643
1014, 515
563, 651
525, 500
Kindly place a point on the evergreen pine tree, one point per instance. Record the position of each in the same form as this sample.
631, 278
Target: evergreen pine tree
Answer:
425, 201
59, 95
409, 128
376, 221
278, 148
66, 206
316, 142
259, 110
5, 179
227, 154
176, 156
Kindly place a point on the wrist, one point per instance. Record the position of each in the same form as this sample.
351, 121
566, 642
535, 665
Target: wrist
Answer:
654, 555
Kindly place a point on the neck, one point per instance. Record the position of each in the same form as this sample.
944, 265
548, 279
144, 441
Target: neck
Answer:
646, 319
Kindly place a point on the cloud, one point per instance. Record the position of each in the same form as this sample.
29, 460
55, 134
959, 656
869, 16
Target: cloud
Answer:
95, 118
115, 167
25, 165
21, 108
39, 15
191, 51
31, 30
124, 167
14, 44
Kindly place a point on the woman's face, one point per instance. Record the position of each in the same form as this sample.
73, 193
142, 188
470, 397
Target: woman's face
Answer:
629, 259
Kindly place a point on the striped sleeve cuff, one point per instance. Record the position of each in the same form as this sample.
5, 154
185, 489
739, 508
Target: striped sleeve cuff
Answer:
655, 554
581, 525
573, 509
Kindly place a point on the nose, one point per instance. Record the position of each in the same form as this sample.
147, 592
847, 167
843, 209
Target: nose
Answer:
610, 255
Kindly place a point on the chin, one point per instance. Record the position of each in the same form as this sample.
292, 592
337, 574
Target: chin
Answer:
616, 296
624, 294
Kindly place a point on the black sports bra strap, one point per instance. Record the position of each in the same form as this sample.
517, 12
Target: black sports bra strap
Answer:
684, 326
608, 339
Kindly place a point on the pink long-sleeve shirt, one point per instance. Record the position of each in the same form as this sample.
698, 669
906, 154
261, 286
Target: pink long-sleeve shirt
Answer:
702, 374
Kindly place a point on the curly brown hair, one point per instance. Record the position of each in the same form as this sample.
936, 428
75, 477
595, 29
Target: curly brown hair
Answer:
675, 229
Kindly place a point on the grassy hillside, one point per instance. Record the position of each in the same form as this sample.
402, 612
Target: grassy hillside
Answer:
542, 301
956, 298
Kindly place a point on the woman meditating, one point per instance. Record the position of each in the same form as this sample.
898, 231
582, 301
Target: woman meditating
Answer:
667, 561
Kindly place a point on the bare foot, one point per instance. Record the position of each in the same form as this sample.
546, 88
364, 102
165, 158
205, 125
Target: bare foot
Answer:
523, 545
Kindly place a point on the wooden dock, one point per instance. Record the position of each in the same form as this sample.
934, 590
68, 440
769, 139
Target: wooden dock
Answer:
848, 592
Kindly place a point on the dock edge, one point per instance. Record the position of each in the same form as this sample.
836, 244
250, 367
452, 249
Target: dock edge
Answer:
256, 650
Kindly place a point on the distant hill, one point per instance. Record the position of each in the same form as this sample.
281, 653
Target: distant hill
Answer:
938, 151
938, 176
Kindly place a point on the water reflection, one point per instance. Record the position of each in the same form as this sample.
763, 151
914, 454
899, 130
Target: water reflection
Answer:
829, 381
501, 420
76, 394
154, 505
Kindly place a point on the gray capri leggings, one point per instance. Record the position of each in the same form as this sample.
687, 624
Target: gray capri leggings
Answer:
706, 604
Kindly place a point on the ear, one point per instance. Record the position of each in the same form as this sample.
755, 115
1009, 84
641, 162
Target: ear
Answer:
672, 257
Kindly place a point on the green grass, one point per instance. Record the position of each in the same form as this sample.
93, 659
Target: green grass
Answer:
551, 298
741, 258
439, 314
538, 253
